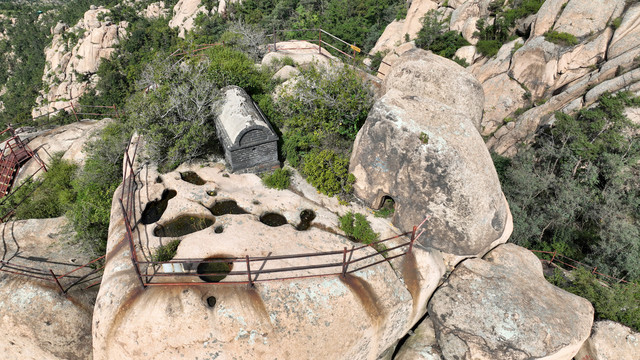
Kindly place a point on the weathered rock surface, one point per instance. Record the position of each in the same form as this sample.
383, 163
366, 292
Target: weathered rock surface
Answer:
38, 322
501, 307
503, 96
184, 15
422, 344
186, 11
610, 341
465, 16
547, 16
420, 146
286, 73
394, 33
392, 57
360, 317
431, 161
70, 67
68, 139
423, 74
302, 53
585, 17
155, 10
627, 36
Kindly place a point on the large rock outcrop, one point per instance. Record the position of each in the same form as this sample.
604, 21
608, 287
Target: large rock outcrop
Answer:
37, 321
531, 78
358, 317
398, 31
186, 11
501, 307
73, 58
421, 147
610, 341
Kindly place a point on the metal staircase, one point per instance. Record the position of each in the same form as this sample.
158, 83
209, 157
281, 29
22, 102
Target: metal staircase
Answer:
14, 154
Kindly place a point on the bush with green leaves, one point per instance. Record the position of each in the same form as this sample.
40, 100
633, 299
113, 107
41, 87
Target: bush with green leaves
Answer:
433, 36
560, 38
576, 188
167, 251
357, 227
95, 186
328, 172
176, 114
279, 179
618, 302
386, 210
232, 67
55, 195
323, 110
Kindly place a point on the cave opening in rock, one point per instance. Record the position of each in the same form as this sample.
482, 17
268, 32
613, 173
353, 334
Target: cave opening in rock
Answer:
219, 229
225, 207
183, 225
215, 269
211, 301
273, 219
192, 178
154, 209
306, 217
386, 207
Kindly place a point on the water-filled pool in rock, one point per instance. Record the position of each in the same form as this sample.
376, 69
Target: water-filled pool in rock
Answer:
306, 217
154, 209
225, 207
273, 219
216, 270
192, 178
183, 225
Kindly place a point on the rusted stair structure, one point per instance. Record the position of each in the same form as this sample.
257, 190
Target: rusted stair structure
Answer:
14, 154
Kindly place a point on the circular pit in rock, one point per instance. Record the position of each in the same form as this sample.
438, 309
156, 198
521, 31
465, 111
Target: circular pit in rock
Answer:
273, 219
183, 225
214, 270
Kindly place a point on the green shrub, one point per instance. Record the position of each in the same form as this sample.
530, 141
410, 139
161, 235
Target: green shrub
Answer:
617, 302
433, 36
167, 251
328, 172
231, 67
324, 110
387, 209
95, 186
460, 61
357, 227
488, 48
19, 194
177, 116
560, 38
615, 24
54, 195
279, 179
575, 188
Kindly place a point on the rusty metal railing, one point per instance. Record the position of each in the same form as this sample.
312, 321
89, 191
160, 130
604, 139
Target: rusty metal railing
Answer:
341, 47
571, 264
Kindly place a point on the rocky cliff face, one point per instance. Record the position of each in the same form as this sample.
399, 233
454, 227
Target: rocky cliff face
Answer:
73, 58
186, 11
530, 78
